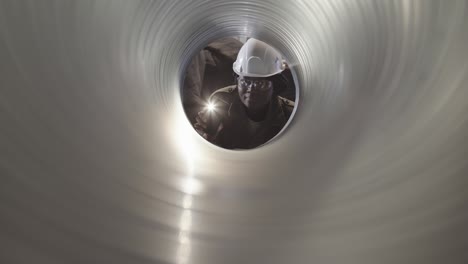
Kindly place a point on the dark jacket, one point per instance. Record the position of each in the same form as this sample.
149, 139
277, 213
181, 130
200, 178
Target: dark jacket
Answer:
239, 132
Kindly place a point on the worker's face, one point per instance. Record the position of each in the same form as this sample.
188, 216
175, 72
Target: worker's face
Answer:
255, 93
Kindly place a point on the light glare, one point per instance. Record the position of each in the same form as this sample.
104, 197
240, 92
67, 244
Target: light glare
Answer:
210, 106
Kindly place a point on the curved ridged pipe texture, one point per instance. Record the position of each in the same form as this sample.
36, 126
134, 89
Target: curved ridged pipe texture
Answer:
98, 163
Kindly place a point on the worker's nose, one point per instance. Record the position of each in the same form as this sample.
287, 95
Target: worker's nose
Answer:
250, 87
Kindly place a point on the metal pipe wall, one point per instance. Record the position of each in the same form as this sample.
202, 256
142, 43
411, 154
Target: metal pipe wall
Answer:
98, 163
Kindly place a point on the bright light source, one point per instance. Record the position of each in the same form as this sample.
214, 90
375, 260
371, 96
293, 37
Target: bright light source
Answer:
210, 106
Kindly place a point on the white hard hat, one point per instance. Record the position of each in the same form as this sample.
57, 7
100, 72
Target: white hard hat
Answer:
258, 59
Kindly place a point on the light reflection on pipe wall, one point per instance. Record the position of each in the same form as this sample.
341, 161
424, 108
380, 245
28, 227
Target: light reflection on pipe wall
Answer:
189, 185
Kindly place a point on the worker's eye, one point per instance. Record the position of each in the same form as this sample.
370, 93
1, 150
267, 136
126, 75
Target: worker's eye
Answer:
257, 84
243, 112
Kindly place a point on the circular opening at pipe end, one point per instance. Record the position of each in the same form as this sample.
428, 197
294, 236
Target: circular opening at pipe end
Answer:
238, 93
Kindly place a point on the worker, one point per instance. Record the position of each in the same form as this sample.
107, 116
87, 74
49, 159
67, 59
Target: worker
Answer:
249, 113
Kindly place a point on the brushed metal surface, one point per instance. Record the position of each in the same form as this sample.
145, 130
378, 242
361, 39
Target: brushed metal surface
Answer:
98, 163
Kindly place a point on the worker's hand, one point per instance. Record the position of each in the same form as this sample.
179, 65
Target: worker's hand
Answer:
208, 125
